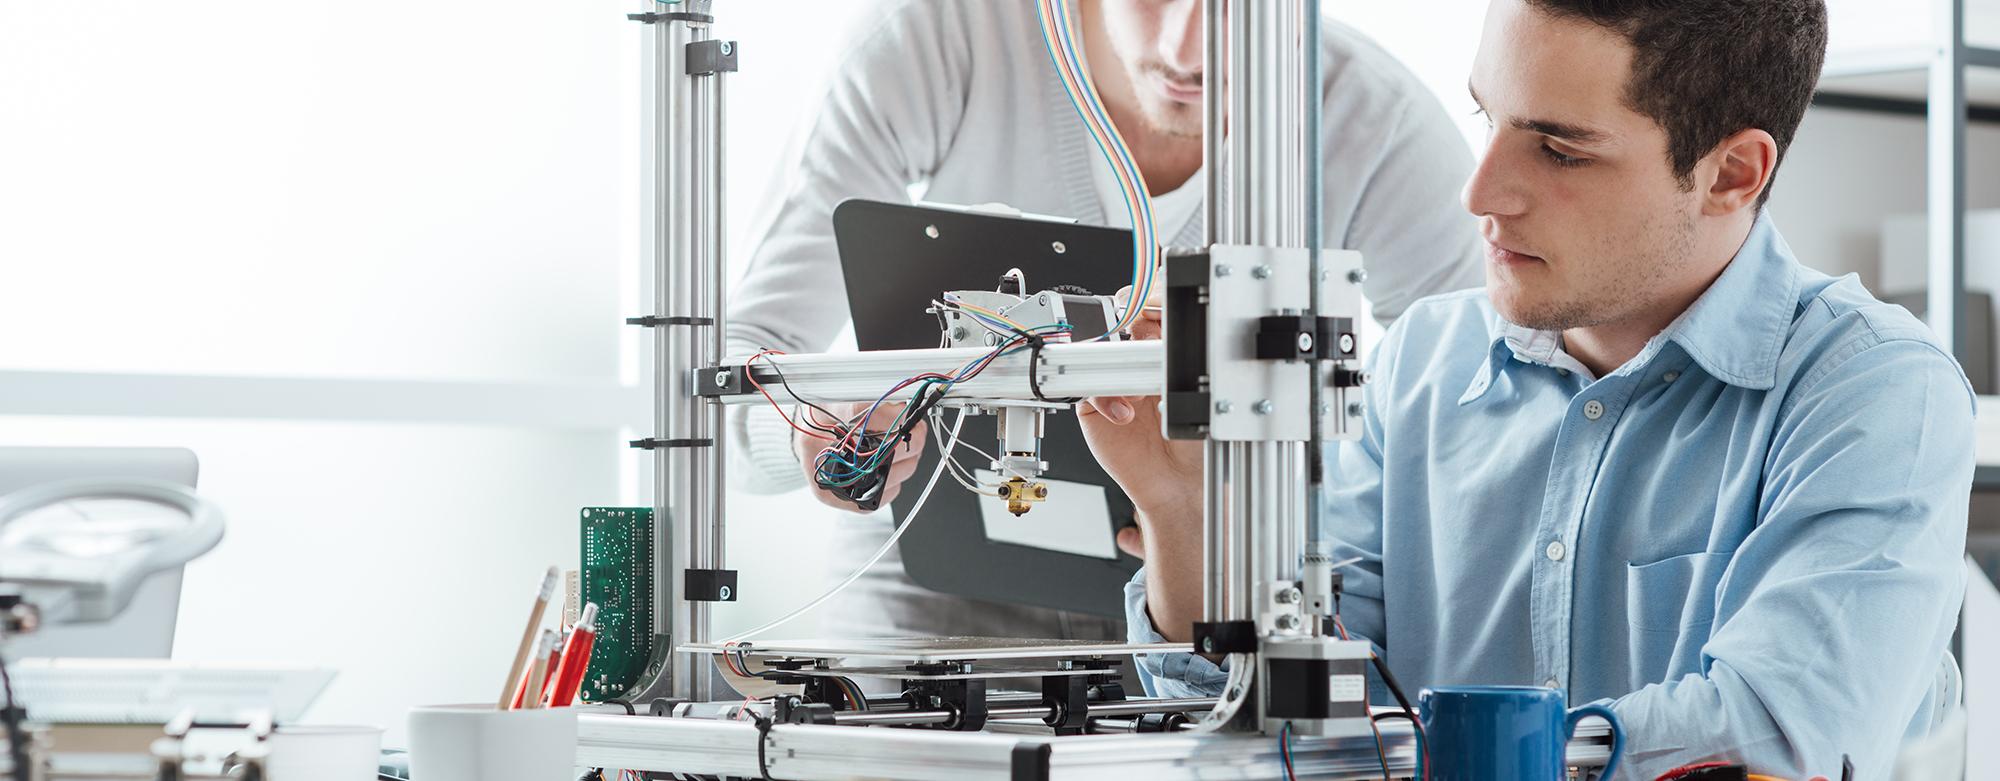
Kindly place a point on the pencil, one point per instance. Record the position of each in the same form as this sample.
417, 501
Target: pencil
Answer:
528, 638
538, 673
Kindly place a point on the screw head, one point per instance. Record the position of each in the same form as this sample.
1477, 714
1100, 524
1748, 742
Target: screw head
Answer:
1224, 406
1223, 269
1263, 407
722, 379
1346, 343
728, 47
1208, 645
1288, 596
958, 333
1354, 409
1288, 622
1325, 408
1261, 272
1059, 247
931, 231
1305, 341
725, 593
1357, 276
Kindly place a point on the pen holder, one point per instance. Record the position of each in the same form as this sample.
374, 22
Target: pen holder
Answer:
479, 743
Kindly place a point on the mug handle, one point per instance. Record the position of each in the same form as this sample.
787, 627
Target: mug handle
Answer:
1617, 732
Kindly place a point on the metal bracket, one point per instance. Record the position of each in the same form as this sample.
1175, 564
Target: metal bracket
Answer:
710, 585
710, 57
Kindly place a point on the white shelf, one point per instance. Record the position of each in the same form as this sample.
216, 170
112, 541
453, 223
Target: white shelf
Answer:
1904, 74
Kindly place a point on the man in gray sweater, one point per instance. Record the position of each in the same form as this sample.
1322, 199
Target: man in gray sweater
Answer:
958, 98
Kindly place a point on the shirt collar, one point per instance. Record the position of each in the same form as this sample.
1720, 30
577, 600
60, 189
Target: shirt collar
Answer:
1734, 331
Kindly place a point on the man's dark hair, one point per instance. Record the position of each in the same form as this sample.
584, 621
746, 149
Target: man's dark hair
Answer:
1707, 69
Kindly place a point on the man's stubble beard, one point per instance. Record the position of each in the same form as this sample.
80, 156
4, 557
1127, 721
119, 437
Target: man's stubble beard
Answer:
1613, 295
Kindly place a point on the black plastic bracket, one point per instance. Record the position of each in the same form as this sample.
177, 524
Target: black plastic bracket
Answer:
658, 444
1225, 637
793, 709
1349, 378
681, 16
650, 321
1068, 699
963, 698
1187, 346
710, 57
721, 381
710, 585
1304, 338
1105, 686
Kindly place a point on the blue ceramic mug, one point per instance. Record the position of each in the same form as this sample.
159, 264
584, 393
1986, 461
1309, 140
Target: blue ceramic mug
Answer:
1482, 733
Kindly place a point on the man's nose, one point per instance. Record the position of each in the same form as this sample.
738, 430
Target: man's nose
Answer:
1180, 36
1493, 191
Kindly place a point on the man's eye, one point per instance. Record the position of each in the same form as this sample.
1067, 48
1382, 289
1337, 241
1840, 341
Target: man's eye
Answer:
1561, 159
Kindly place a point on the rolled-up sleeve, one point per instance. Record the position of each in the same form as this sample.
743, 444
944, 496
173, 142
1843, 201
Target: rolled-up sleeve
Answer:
1832, 619
1166, 675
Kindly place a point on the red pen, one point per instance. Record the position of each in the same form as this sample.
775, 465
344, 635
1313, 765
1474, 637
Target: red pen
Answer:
576, 658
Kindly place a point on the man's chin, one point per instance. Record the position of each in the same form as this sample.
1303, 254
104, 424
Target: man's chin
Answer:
1173, 118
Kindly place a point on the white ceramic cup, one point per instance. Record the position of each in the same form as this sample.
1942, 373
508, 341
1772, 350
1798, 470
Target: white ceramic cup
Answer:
479, 743
313, 752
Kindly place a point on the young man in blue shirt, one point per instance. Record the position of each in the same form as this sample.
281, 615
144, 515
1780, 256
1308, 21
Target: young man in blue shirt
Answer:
1656, 461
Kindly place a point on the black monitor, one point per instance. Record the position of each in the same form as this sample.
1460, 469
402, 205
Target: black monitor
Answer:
896, 258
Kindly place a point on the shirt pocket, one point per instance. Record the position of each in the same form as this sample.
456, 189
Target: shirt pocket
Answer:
1670, 605
1673, 594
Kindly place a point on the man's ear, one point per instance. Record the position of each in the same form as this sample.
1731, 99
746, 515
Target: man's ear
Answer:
1744, 164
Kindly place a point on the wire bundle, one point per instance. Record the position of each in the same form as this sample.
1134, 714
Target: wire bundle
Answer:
1060, 42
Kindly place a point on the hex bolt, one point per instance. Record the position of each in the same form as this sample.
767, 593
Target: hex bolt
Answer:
1357, 276
1288, 622
1222, 269
1354, 409
1263, 407
1288, 596
1224, 406
1261, 272
957, 333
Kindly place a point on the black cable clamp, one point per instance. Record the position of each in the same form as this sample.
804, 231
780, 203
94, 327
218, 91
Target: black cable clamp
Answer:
680, 16
657, 444
650, 321
1035, 345
710, 57
709, 585
1225, 637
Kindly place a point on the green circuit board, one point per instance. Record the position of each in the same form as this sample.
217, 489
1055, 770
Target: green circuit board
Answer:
617, 574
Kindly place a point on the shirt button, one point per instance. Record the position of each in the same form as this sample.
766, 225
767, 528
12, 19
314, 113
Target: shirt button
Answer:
1670, 376
1556, 551
1593, 409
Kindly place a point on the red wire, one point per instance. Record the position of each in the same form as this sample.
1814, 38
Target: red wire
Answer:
774, 402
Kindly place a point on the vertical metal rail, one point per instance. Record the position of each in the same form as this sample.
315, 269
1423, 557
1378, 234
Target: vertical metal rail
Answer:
1264, 184
685, 236
1944, 298
1218, 458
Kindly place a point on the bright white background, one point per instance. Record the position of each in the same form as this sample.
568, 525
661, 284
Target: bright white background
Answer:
434, 201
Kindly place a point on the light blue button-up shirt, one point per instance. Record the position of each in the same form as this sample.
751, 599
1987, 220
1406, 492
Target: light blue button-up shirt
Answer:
1747, 539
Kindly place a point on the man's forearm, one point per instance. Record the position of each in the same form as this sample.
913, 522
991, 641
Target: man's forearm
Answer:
1173, 568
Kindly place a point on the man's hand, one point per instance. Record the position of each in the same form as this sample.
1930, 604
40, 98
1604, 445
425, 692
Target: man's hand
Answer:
1165, 480
807, 448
